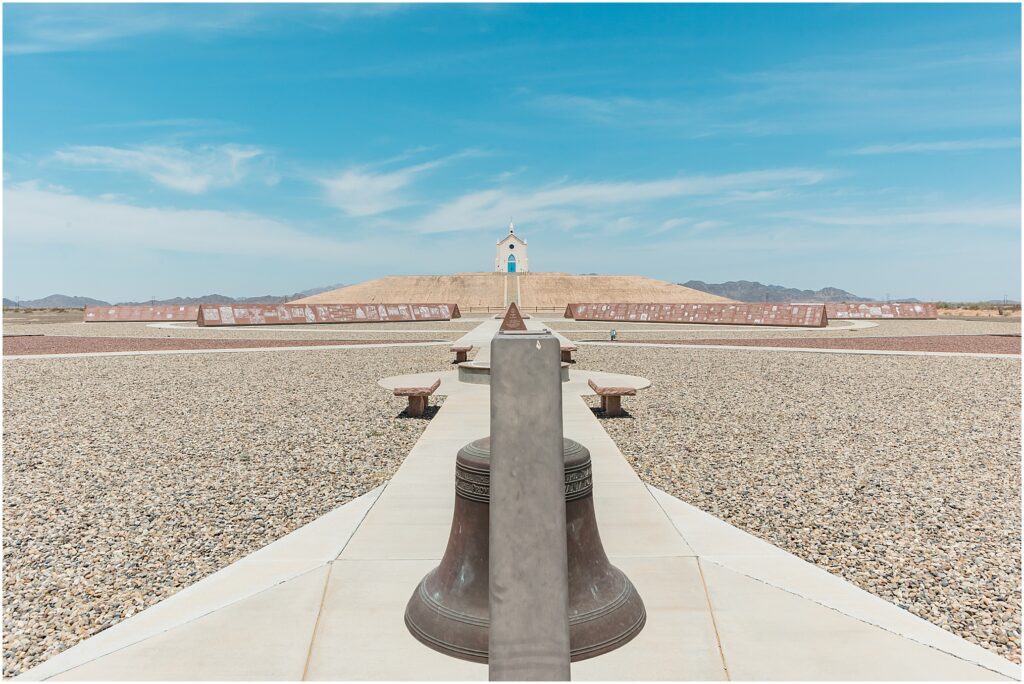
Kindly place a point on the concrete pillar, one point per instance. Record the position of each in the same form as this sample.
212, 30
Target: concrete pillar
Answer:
529, 577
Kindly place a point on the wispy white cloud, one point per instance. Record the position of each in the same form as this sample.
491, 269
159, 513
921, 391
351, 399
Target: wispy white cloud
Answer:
691, 118
360, 192
940, 146
184, 122
571, 204
708, 225
366, 191
44, 214
960, 215
909, 88
39, 28
192, 171
669, 226
820, 92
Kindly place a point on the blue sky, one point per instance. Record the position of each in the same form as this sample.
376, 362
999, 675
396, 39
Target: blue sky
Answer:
165, 150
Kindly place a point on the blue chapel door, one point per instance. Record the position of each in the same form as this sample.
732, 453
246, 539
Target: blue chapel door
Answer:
511, 263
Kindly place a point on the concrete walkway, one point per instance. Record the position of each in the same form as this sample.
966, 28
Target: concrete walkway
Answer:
327, 601
480, 336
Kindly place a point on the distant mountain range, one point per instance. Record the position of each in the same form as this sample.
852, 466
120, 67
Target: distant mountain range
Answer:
740, 290
59, 301
55, 301
747, 291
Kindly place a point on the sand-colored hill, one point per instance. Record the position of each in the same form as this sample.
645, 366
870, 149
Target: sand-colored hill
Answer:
542, 290
558, 289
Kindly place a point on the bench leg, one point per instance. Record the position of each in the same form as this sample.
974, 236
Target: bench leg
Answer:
417, 405
613, 406
460, 357
566, 356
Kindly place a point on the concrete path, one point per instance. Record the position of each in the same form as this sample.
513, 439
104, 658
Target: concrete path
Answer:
327, 601
480, 336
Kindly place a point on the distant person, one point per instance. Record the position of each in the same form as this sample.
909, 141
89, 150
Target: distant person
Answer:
611, 334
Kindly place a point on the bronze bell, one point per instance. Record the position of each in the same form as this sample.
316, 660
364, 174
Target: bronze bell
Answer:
449, 609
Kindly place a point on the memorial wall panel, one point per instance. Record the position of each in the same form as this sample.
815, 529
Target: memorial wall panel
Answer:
298, 314
95, 314
868, 310
802, 315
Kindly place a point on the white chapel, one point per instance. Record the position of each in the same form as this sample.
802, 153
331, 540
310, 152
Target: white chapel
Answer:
510, 255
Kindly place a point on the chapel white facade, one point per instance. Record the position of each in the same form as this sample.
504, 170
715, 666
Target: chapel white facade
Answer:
511, 255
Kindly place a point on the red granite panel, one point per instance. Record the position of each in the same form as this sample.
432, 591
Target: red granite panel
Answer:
95, 314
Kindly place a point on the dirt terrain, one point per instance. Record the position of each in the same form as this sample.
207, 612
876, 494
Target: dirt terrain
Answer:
42, 316
54, 344
1005, 312
971, 344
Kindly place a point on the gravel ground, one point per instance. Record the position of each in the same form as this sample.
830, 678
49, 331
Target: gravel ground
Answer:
841, 330
974, 344
355, 331
900, 474
50, 344
127, 479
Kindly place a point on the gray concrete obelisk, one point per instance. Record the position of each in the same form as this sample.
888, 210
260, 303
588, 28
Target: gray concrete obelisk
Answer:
529, 577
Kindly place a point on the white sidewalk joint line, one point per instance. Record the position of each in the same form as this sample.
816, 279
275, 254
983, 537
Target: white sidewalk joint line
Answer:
169, 628
714, 622
834, 609
316, 623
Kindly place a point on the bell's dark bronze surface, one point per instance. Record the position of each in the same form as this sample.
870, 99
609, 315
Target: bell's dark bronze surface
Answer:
448, 610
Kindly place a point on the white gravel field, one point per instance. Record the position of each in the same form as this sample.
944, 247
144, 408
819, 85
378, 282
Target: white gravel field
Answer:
434, 330
900, 474
668, 331
127, 479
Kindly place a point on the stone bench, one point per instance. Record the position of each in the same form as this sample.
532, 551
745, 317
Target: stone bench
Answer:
418, 397
611, 397
567, 351
460, 353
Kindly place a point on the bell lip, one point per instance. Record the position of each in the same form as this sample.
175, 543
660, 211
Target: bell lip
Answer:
444, 648
475, 655
614, 643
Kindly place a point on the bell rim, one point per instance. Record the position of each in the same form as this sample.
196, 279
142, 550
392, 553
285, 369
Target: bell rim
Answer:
584, 652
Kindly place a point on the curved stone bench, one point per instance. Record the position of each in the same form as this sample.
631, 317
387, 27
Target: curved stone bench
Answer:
611, 397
